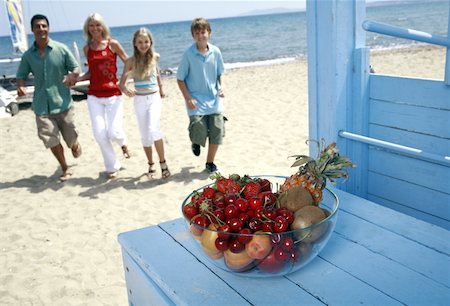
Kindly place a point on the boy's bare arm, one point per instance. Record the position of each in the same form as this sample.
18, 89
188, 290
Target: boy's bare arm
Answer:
190, 103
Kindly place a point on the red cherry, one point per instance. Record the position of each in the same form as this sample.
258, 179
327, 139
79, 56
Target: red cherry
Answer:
280, 225
244, 235
244, 217
231, 211
251, 213
242, 204
220, 214
255, 202
201, 221
268, 197
221, 244
223, 231
282, 255
235, 246
281, 210
288, 215
295, 255
267, 227
287, 244
270, 213
236, 224
259, 212
229, 198
255, 224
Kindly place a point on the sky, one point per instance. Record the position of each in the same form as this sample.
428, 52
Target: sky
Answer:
70, 15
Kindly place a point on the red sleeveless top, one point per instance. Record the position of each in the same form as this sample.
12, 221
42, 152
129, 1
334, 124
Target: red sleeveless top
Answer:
103, 69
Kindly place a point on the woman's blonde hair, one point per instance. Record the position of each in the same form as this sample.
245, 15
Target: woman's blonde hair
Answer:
143, 63
97, 18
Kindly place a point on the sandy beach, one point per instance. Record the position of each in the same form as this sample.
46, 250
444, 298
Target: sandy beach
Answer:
59, 240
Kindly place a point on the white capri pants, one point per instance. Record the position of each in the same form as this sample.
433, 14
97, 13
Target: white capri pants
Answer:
148, 114
107, 125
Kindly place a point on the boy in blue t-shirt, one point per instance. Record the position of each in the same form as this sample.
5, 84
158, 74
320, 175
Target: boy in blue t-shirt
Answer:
200, 79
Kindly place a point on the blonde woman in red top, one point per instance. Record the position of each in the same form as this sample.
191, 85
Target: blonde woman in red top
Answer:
104, 96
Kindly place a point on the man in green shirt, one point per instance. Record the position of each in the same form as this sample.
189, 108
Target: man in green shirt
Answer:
55, 70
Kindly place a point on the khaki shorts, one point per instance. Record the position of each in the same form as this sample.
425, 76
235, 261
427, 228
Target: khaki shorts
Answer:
208, 126
50, 126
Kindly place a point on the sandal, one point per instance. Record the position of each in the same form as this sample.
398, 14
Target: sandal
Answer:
165, 173
125, 152
65, 176
151, 171
76, 150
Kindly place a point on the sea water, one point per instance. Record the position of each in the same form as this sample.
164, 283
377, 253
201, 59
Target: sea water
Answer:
255, 40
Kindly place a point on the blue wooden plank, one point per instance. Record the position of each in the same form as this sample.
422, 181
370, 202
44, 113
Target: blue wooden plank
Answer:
412, 91
317, 272
410, 211
334, 286
422, 259
257, 291
141, 289
422, 199
388, 276
418, 119
423, 233
430, 175
426, 143
164, 269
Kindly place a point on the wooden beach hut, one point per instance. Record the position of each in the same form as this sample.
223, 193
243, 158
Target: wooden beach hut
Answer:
396, 129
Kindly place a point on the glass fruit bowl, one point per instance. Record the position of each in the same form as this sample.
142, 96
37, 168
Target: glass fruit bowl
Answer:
253, 239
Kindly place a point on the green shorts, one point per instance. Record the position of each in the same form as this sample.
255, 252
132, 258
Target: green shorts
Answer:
208, 126
50, 126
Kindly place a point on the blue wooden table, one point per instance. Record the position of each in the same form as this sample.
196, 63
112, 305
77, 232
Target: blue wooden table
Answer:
375, 256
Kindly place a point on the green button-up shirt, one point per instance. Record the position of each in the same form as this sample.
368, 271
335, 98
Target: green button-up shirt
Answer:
51, 96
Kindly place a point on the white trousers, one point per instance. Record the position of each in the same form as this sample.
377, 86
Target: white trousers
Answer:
107, 125
148, 114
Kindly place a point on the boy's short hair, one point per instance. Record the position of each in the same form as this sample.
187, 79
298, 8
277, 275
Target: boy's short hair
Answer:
200, 24
39, 17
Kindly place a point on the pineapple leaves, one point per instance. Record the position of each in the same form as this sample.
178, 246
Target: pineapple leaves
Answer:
300, 160
328, 164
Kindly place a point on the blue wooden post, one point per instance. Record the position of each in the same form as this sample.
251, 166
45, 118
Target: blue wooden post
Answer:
447, 59
337, 83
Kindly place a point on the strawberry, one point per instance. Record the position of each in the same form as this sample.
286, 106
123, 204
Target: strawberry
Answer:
190, 210
226, 185
265, 184
251, 189
208, 192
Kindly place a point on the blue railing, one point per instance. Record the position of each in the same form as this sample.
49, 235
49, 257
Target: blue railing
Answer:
400, 32
412, 152
386, 29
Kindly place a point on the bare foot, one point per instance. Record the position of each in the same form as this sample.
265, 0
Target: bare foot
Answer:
113, 175
76, 150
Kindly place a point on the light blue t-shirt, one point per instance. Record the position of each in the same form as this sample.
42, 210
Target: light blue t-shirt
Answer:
200, 74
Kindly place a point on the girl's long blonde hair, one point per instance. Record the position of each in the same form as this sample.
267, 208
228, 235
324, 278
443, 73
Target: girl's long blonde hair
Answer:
143, 63
97, 18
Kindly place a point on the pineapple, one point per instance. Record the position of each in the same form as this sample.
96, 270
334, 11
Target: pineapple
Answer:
313, 173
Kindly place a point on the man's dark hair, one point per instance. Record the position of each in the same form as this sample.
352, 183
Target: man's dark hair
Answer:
39, 17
